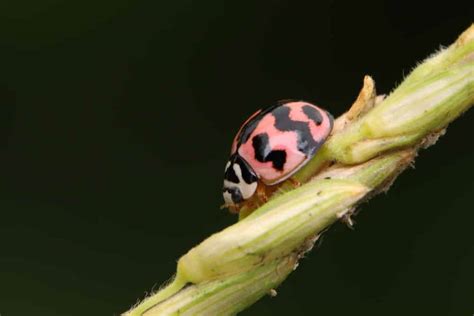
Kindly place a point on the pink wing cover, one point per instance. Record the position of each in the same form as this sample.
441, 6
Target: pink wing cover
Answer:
285, 140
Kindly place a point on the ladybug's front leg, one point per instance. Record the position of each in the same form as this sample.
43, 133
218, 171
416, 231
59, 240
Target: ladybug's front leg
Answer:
233, 208
294, 182
262, 193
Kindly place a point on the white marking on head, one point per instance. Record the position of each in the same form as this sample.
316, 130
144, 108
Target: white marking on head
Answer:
241, 189
246, 189
227, 198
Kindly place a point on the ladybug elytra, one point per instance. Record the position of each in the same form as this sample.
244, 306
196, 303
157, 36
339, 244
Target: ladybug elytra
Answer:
272, 145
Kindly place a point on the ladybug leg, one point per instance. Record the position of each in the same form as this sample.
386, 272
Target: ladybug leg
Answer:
294, 182
262, 194
234, 209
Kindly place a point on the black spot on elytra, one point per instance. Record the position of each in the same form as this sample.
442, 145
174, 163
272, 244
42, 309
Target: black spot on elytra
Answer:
247, 130
261, 146
278, 159
264, 153
306, 142
250, 126
313, 114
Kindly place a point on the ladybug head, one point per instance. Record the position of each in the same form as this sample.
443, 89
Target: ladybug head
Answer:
240, 181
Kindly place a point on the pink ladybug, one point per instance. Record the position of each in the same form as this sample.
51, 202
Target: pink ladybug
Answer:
272, 145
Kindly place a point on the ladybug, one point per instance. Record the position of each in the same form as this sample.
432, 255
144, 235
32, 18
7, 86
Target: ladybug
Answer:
272, 145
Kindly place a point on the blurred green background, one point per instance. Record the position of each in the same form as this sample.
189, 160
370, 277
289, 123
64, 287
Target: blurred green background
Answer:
116, 119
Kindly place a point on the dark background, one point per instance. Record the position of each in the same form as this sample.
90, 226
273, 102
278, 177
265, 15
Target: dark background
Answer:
116, 119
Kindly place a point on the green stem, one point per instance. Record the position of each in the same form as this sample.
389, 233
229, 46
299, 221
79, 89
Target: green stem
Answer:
169, 290
228, 296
